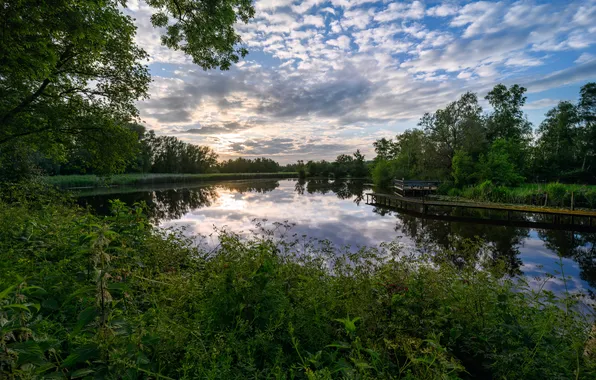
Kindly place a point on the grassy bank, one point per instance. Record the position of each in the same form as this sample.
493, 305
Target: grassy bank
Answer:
89, 297
552, 194
152, 179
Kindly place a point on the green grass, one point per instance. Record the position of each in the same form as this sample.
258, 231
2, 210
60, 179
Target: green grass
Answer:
551, 194
68, 181
112, 297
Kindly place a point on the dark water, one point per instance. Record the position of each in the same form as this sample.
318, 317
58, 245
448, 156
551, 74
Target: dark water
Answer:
336, 211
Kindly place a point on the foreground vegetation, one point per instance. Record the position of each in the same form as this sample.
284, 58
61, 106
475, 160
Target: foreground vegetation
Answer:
150, 179
84, 296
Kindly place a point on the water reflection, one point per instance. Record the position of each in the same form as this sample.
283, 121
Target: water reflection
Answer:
334, 210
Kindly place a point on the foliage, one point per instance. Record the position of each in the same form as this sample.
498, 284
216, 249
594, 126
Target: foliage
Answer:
152, 179
383, 174
70, 74
112, 297
464, 169
212, 42
244, 165
498, 167
462, 143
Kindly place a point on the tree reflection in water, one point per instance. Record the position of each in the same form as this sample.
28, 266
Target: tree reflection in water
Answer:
170, 204
457, 241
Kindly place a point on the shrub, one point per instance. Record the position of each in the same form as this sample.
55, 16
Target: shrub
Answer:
382, 174
557, 193
115, 298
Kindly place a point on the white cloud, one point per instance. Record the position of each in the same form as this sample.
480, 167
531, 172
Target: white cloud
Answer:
541, 104
585, 57
442, 10
261, 5
342, 42
370, 66
481, 17
395, 11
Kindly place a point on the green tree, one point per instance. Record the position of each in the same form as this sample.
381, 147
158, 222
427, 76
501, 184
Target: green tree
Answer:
507, 121
587, 115
457, 126
496, 166
464, 168
558, 147
385, 149
383, 173
70, 72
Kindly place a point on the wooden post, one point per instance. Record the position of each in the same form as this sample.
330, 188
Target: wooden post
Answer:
572, 205
545, 199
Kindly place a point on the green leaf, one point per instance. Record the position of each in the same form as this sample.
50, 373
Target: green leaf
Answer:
50, 303
81, 373
85, 317
6, 292
80, 355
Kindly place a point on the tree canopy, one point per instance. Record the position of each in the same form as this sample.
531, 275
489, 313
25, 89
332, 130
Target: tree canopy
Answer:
71, 72
466, 145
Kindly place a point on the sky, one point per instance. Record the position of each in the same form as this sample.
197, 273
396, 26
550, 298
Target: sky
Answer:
324, 78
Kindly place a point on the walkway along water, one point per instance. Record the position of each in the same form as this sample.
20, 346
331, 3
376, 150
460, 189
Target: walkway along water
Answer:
577, 220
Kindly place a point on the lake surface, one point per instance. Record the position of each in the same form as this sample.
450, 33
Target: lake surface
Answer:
336, 211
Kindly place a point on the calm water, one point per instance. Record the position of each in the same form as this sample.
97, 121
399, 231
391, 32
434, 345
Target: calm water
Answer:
336, 211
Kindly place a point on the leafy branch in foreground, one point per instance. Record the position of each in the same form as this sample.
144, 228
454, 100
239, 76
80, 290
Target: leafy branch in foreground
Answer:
71, 72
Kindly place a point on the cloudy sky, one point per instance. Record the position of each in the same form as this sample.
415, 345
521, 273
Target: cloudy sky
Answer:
329, 77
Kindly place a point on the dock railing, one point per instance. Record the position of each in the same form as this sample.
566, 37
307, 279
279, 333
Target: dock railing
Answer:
414, 185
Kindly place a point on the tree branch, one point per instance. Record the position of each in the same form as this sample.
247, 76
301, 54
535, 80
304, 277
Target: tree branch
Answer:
65, 57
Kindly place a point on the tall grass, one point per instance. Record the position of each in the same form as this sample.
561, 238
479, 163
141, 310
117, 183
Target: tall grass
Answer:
551, 194
152, 179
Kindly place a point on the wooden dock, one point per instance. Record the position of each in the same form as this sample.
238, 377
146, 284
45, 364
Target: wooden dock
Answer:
416, 187
558, 218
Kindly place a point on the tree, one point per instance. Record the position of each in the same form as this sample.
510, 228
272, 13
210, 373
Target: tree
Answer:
457, 126
507, 121
410, 160
464, 168
359, 168
587, 115
558, 149
70, 73
385, 149
496, 166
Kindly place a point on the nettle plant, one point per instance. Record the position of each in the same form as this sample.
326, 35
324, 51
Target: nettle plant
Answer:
113, 297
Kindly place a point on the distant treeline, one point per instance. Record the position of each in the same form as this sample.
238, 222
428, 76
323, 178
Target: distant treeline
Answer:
168, 154
463, 144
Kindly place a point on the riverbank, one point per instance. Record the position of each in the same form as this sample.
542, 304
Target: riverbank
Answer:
82, 181
557, 195
107, 296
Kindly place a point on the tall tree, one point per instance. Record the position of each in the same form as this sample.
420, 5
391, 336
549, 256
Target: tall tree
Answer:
507, 121
457, 126
70, 72
587, 115
558, 147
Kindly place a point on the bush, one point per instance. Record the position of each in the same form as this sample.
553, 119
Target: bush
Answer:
454, 192
382, 174
557, 194
115, 298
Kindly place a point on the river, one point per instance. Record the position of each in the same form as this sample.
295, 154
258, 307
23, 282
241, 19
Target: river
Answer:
336, 211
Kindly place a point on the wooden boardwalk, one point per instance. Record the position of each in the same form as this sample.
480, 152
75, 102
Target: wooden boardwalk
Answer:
568, 219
